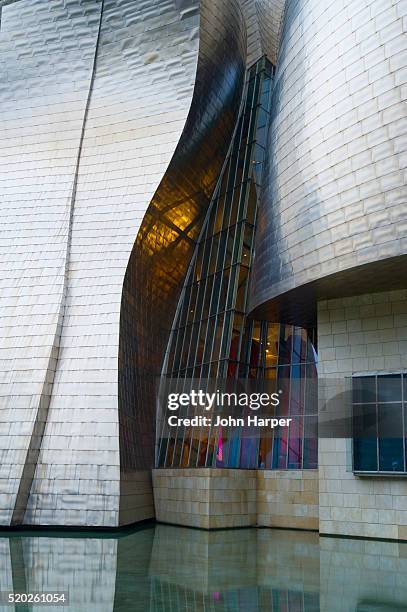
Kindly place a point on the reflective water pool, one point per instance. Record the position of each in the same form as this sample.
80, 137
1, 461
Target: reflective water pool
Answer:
169, 569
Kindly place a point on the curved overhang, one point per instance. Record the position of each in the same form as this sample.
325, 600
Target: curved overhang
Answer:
298, 306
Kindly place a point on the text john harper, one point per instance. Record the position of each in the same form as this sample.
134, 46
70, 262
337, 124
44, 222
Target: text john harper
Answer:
229, 421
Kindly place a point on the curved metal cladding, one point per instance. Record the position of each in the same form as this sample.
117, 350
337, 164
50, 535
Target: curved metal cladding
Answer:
46, 57
143, 80
333, 217
263, 22
171, 226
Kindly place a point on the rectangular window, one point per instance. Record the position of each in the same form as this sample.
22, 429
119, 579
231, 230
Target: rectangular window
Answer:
379, 421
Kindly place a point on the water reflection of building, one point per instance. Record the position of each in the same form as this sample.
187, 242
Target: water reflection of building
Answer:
170, 569
245, 570
83, 568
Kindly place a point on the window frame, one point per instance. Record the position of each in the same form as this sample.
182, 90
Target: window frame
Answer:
403, 401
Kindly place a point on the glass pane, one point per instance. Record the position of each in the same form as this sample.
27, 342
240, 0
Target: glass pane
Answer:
215, 293
299, 345
222, 249
224, 291
226, 214
218, 338
273, 332
209, 340
185, 347
297, 395
365, 438
283, 385
389, 388
208, 295
237, 244
364, 389
203, 447
198, 263
234, 206
255, 346
232, 286
192, 303
205, 258
310, 460
280, 448
286, 339
229, 248
194, 445
201, 342
185, 305
390, 425
241, 289
219, 214
236, 332
265, 451
251, 202
247, 244
271, 374
214, 254
311, 389
295, 444
193, 345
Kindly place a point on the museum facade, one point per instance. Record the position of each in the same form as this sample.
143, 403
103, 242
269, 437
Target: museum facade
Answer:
198, 191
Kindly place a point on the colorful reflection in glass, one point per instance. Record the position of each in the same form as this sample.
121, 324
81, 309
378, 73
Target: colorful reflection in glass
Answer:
212, 337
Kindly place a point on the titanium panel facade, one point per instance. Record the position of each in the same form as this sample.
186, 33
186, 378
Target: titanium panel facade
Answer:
263, 22
333, 217
46, 57
142, 91
95, 97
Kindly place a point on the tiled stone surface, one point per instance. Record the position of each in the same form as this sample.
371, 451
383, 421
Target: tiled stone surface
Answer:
287, 498
205, 497
362, 334
136, 497
214, 498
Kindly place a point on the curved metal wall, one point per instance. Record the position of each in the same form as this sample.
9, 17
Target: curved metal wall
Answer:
47, 52
263, 22
333, 217
171, 226
143, 85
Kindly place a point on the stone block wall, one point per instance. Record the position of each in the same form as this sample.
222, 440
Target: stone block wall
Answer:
287, 498
136, 497
356, 335
205, 497
222, 498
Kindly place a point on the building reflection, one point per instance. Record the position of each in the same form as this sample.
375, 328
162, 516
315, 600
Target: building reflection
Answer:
171, 569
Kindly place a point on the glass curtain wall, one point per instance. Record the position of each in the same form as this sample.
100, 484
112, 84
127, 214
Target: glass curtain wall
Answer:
212, 338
